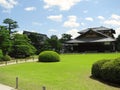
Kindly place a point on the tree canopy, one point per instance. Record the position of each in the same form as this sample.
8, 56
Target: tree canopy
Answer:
11, 24
5, 41
22, 46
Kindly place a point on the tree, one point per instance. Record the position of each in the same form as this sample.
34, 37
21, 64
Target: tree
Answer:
118, 43
22, 46
37, 40
5, 42
11, 24
1, 55
52, 43
65, 37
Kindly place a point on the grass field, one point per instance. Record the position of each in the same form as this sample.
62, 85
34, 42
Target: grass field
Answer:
72, 73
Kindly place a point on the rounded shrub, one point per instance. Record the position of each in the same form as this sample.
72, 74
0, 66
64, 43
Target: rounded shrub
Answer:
107, 70
111, 71
96, 68
49, 56
6, 58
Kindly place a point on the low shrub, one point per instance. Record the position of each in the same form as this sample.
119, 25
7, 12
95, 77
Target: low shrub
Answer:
6, 58
107, 70
49, 56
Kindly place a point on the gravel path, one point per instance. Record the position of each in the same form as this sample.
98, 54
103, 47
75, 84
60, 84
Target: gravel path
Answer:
4, 87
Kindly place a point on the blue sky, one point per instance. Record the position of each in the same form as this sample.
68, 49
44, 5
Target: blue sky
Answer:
55, 17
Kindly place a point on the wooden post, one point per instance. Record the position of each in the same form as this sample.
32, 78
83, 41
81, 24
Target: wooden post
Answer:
6, 62
16, 82
16, 61
43, 88
33, 58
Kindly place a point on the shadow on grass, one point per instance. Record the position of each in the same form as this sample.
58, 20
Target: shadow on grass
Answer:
106, 82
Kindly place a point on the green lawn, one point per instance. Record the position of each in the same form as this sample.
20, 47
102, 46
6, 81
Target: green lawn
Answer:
72, 73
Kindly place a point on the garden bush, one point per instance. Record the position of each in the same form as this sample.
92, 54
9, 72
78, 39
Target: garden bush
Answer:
96, 68
107, 70
1, 54
49, 56
6, 58
111, 71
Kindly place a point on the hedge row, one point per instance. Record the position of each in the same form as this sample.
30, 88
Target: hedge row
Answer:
4, 58
107, 70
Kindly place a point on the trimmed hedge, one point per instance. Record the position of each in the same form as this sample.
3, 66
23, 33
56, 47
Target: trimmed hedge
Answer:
49, 56
96, 68
107, 70
6, 58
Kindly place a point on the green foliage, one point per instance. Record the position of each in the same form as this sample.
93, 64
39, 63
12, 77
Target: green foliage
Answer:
65, 37
52, 44
37, 40
23, 51
11, 24
96, 68
111, 71
5, 42
22, 46
118, 43
49, 56
6, 58
1, 54
108, 70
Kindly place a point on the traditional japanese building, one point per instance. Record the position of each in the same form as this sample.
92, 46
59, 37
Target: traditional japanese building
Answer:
98, 39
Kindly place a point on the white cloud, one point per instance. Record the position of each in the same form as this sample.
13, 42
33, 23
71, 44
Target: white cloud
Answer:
117, 32
57, 18
114, 20
30, 8
101, 17
62, 4
89, 19
52, 30
72, 22
73, 32
116, 17
85, 11
8, 4
20, 32
83, 24
37, 23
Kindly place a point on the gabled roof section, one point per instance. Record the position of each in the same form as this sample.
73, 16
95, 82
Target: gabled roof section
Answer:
92, 34
101, 28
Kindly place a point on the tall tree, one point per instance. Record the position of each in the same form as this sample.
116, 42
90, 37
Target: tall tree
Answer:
11, 24
5, 42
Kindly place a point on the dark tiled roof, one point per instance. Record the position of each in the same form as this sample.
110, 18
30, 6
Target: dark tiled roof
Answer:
101, 28
91, 40
102, 37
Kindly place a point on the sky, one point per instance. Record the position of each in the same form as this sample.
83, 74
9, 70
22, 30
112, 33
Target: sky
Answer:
55, 17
